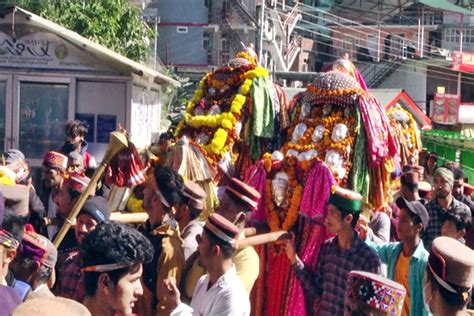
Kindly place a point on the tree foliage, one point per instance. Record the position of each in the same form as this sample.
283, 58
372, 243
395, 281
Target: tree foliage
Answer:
115, 24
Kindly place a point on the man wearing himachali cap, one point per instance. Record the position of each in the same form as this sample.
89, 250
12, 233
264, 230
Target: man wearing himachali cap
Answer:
54, 168
219, 292
338, 256
65, 198
238, 200
34, 264
450, 276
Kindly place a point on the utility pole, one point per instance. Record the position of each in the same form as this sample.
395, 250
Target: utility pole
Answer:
262, 31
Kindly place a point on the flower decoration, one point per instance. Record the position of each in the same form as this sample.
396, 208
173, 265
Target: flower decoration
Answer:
220, 101
285, 218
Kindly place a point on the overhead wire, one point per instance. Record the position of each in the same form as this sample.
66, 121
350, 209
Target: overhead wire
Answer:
444, 74
355, 37
364, 54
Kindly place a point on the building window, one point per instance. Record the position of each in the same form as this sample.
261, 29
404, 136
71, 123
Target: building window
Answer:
182, 29
451, 35
225, 50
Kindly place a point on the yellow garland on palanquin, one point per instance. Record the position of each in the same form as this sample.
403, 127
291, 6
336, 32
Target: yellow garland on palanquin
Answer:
224, 122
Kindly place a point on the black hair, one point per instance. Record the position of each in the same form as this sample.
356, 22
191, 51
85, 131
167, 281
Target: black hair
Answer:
112, 242
458, 174
459, 217
412, 187
76, 128
165, 137
14, 224
457, 300
44, 274
170, 184
355, 216
73, 193
227, 249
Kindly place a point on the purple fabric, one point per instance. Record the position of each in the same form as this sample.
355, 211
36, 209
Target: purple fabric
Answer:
328, 282
9, 299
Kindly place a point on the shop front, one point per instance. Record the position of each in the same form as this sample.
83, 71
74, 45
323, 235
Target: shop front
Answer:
49, 75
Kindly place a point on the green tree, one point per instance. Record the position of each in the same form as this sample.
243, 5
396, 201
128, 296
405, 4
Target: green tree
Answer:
116, 24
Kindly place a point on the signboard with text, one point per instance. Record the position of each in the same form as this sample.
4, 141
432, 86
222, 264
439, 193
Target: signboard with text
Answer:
463, 62
44, 50
445, 108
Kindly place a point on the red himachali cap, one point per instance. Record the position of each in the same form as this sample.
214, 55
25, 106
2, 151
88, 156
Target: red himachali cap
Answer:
77, 182
53, 159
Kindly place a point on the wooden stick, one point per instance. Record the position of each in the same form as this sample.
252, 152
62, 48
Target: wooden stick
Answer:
129, 218
117, 142
261, 239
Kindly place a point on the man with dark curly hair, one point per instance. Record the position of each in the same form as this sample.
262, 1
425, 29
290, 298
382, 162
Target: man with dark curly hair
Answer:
162, 196
113, 260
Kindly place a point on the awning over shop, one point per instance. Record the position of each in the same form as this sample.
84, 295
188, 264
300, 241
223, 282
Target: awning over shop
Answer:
445, 5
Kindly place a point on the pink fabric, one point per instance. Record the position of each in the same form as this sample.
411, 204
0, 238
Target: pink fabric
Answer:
360, 79
380, 142
255, 177
312, 237
317, 190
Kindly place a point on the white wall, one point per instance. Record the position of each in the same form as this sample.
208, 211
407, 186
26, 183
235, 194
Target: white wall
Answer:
410, 76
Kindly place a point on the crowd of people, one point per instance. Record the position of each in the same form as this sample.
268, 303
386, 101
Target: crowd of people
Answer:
413, 258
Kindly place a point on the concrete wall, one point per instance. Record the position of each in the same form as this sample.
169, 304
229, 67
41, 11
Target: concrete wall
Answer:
181, 48
411, 76
181, 11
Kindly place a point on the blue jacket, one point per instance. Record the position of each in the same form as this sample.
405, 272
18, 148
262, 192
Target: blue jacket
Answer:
389, 253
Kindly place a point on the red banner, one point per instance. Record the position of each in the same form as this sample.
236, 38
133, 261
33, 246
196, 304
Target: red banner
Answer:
463, 62
445, 108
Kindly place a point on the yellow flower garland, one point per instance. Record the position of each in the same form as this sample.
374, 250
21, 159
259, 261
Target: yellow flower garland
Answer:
224, 122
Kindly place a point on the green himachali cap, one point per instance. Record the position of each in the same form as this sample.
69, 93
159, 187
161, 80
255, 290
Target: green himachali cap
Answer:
346, 200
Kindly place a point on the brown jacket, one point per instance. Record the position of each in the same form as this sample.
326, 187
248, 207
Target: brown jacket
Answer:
169, 265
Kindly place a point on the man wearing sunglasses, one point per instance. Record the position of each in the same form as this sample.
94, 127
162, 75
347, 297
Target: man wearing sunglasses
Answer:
162, 196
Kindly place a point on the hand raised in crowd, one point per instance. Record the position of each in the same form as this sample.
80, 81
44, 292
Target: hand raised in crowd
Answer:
171, 292
289, 244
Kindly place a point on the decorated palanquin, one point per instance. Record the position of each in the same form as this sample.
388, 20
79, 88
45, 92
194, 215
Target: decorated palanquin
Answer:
406, 133
235, 115
339, 135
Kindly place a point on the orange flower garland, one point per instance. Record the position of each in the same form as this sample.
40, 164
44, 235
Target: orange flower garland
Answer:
294, 195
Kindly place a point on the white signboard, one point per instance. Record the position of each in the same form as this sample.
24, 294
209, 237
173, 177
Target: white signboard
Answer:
43, 50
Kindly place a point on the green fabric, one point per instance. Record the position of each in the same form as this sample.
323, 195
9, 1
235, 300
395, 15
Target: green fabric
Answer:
446, 6
263, 115
389, 253
359, 178
345, 204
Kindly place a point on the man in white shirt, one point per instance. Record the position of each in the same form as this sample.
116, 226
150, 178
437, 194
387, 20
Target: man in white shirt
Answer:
219, 292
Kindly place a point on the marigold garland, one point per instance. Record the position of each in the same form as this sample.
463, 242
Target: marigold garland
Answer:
294, 196
223, 123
